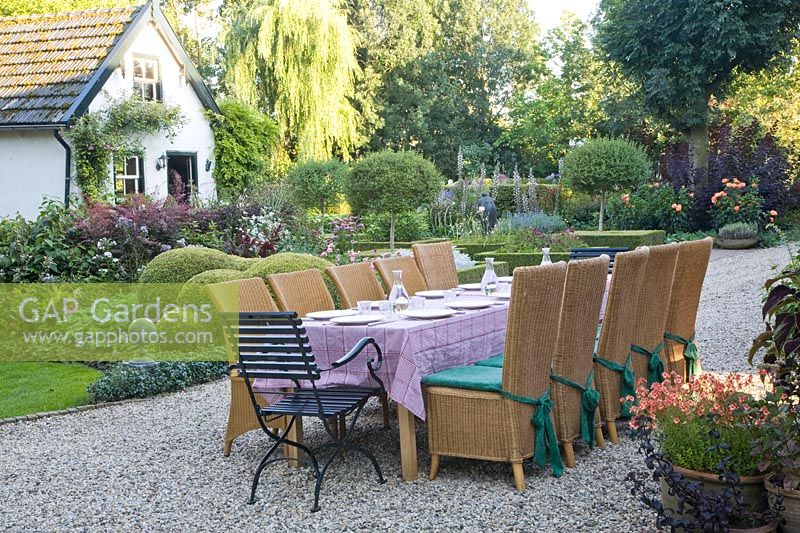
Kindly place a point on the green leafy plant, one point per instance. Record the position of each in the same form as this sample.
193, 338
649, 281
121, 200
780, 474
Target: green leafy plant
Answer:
317, 184
409, 226
605, 165
544, 222
123, 381
181, 264
651, 206
244, 138
116, 131
738, 230
737, 201
777, 447
393, 183
533, 240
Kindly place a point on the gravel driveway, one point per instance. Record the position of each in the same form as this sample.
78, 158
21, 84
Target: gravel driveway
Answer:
157, 465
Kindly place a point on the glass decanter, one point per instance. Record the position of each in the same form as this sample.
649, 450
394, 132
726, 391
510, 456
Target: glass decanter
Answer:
399, 296
489, 281
546, 257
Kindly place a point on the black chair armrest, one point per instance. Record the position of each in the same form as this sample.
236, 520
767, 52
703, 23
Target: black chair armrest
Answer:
355, 350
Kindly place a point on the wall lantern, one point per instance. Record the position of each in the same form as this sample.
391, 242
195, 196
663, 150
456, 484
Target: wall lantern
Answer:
161, 162
208, 165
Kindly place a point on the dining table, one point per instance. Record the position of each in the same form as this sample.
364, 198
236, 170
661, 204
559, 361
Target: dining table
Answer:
411, 349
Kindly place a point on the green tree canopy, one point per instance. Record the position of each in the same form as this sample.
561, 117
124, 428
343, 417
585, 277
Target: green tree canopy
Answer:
392, 182
32, 7
295, 60
317, 184
243, 141
604, 165
682, 53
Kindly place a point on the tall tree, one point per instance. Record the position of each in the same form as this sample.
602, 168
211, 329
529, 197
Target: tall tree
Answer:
32, 7
681, 52
453, 86
295, 59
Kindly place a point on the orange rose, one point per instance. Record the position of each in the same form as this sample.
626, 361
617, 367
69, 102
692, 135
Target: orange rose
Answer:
736, 208
773, 213
673, 206
714, 199
771, 219
725, 180
678, 208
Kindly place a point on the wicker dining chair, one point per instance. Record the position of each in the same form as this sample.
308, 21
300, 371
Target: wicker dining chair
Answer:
412, 277
513, 402
355, 282
437, 264
575, 399
613, 359
681, 352
303, 291
651, 319
241, 295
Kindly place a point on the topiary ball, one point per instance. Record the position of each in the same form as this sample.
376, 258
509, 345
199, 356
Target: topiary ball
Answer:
194, 291
286, 262
181, 264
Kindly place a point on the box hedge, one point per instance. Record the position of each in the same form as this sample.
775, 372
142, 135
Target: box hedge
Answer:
475, 274
474, 248
285, 262
194, 290
619, 239
518, 259
362, 246
181, 264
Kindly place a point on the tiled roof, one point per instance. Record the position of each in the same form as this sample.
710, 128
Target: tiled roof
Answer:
47, 60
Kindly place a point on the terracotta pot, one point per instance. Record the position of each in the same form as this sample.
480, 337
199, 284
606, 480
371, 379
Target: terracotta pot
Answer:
737, 244
769, 528
791, 506
752, 488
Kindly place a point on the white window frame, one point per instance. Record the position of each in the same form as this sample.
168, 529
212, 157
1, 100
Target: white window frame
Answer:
122, 181
142, 81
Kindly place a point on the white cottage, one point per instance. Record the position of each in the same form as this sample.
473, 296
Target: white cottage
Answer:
56, 67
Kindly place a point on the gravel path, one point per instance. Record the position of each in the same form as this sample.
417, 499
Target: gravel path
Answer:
157, 465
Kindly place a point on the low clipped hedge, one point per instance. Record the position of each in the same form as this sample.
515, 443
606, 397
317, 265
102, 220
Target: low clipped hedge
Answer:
623, 239
473, 248
122, 381
518, 259
361, 246
286, 262
182, 264
475, 274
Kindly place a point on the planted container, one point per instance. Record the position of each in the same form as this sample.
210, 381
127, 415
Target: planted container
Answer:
791, 506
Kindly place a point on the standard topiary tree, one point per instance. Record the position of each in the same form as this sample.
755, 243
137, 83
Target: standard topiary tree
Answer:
317, 184
392, 182
604, 165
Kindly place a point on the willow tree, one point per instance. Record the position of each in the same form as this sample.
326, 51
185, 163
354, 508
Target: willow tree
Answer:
295, 59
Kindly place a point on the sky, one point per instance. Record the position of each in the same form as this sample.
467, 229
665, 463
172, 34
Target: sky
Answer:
548, 12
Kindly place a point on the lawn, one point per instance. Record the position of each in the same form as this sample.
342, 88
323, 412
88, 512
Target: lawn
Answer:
27, 388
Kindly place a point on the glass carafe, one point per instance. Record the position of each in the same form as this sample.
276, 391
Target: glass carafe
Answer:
489, 281
399, 296
546, 257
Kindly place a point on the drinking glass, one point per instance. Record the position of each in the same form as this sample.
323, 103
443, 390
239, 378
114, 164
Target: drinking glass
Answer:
450, 295
385, 308
364, 307
417, 303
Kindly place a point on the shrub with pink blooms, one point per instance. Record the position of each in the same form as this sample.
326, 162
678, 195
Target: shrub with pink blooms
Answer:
680, 414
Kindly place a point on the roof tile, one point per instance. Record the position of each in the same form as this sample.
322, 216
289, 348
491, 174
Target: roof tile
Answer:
46, 60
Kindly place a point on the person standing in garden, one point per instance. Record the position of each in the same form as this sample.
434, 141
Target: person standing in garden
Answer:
488, 212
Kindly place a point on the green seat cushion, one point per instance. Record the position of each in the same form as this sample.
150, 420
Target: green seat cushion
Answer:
483, 378
494, 361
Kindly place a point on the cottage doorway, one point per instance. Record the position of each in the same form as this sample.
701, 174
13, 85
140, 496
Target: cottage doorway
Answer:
182, 175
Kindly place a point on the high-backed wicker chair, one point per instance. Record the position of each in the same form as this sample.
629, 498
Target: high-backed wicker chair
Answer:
437, 264
513, 402
241, 295
679, 335
303, 291
651, 319
412, 277
355, 282
575, 399
613, 361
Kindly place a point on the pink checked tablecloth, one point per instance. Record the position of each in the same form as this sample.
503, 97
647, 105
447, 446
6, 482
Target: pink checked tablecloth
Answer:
411, 349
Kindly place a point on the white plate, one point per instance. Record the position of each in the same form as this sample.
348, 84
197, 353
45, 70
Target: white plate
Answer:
356, 320
469, 304
470, 286
428, 314
502, 296
430, 294
327, 315
505, 279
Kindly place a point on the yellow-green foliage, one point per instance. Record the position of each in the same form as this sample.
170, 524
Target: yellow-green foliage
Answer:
285, 262
181, 264
195, 288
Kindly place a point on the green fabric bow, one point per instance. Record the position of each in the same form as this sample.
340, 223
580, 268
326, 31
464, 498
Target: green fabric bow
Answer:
590, 400
628, 382
690, 352
655, 366
545, 432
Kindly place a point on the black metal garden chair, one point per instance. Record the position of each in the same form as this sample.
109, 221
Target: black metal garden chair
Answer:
274, 346
589, 253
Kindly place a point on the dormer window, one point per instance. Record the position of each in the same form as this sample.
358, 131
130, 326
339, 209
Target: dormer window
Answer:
147, 78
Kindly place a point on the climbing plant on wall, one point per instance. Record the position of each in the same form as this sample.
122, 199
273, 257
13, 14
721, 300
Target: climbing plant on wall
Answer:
117, 130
